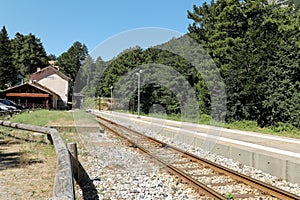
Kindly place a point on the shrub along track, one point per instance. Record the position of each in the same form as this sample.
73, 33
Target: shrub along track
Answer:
209, 178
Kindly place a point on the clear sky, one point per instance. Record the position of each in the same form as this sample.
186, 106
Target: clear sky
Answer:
59, 23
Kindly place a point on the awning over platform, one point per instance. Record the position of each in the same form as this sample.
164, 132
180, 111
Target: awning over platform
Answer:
34, 95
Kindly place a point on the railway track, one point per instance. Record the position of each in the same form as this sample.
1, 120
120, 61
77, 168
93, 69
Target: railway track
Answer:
208, 178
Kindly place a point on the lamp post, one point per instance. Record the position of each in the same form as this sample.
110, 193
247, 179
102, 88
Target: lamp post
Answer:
139, 80
111, 88
100, 101
99, 105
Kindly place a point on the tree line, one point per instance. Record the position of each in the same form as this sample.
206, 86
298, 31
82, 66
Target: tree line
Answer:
23, 54
255, 46
253, 43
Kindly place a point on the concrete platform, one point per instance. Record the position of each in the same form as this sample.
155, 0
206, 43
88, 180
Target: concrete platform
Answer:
279, 156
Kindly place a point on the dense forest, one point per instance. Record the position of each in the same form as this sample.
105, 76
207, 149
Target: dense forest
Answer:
23, 54
256, 48
254, 44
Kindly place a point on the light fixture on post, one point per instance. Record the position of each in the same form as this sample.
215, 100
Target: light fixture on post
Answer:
111, 96
139, 84
100, 102
99, 105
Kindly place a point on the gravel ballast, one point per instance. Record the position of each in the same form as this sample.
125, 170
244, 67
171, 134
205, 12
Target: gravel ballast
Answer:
123, 172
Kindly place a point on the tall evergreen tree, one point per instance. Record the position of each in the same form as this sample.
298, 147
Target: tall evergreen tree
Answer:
85, 77
51, 57
255, 44
28, 53
71, 60
7, 69
70, 63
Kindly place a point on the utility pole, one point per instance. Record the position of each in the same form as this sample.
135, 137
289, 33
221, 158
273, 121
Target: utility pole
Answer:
111, 98
139, 85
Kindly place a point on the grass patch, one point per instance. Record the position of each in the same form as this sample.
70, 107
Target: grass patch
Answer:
244, 125
42, 117
49, 118
83, 118
282, 129
46, 117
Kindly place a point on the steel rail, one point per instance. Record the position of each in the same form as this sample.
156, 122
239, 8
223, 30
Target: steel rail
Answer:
196, 184
266, 188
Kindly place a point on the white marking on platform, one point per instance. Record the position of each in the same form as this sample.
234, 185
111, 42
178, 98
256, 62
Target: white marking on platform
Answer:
233, 141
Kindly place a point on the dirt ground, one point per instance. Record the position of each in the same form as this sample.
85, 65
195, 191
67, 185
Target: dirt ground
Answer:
27, 165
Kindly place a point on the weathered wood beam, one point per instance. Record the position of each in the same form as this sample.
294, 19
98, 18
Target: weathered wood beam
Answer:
63, 182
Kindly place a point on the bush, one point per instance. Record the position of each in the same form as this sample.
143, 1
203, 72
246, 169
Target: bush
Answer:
90, 103
204, 119
284, 127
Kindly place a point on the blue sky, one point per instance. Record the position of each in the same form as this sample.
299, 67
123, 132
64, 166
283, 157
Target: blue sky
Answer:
59, 23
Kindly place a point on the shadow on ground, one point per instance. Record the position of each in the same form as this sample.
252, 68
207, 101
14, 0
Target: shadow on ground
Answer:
9, 160
8, 135
89, 191
10, 156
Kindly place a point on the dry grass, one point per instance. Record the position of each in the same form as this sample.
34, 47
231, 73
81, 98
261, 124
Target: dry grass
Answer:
27, 165
27, 162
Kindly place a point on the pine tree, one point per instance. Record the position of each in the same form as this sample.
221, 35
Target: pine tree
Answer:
71, 60
28, 53
7, 70
255, 44
70, 63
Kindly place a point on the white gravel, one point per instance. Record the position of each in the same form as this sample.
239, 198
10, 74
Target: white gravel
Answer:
221, 160
125, 173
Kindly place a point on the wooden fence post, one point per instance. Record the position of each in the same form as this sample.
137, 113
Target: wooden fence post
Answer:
63, 183
74, 159
79, 173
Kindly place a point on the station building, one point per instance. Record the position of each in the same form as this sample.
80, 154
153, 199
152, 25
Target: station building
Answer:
47, 88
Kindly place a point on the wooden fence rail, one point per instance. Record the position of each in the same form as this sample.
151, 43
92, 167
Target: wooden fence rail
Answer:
63, 183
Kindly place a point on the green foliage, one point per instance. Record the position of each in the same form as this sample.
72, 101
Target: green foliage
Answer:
120, 73
205, 119
255, 45
122, 64
229, 196
51, 57
281, 129
70, 63
23, 54
28, 53
243, 125
284, 127
89, 76
90, 103
7, 69
71, 60
41, 117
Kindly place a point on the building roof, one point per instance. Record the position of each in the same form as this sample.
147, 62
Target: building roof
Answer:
44, 88
47, 71
18, 91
